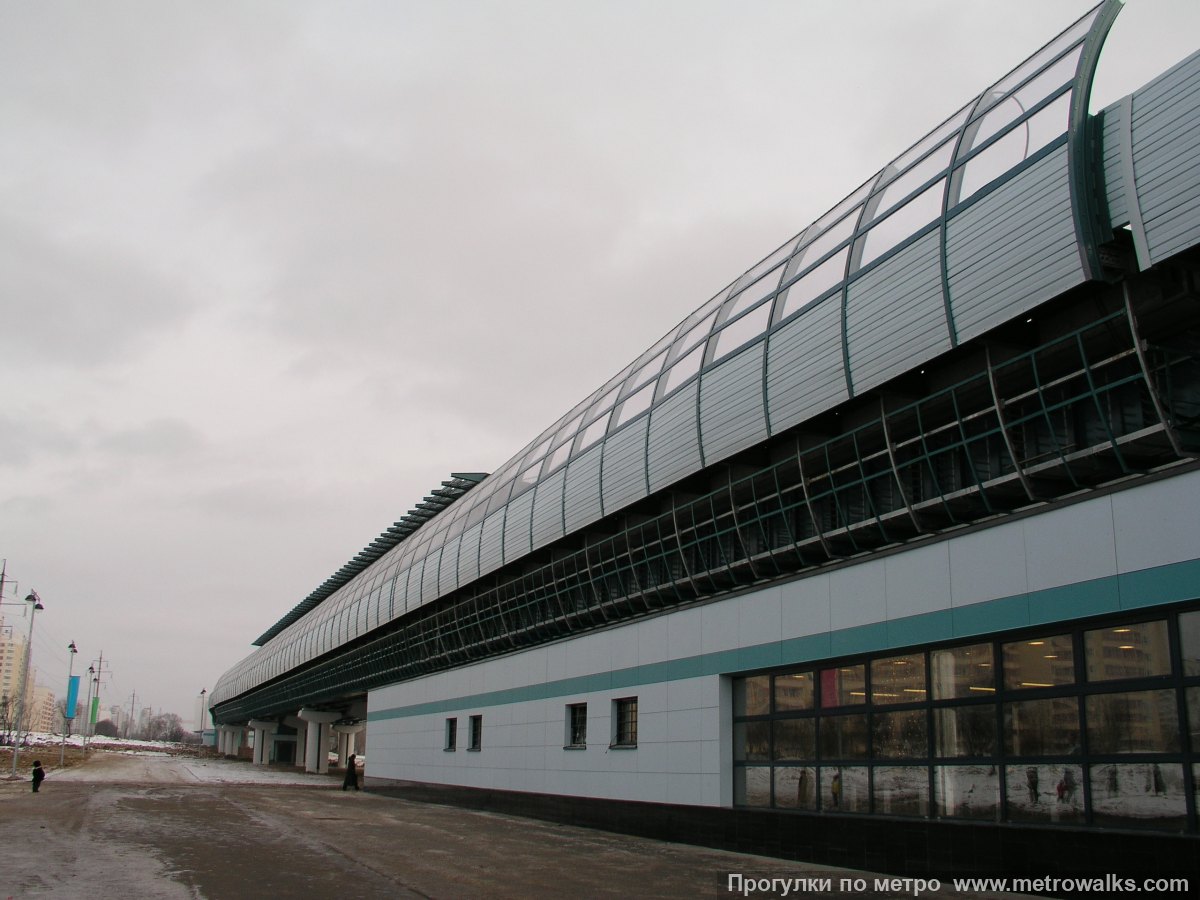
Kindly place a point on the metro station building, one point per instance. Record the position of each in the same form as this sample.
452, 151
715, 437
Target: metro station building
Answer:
887, 556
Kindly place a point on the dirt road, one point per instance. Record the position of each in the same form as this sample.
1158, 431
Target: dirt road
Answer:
127, 826
132, 827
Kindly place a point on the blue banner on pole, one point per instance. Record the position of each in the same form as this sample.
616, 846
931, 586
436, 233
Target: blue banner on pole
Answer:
72, 696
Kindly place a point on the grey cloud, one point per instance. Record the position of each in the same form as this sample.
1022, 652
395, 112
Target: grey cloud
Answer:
159, 438
74, 304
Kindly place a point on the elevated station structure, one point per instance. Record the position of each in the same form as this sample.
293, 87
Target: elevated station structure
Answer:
896, 535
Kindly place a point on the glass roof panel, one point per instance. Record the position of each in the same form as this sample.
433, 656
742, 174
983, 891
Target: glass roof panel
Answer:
605, 403
904, 222
901, 187
1074, 33
1017, 144
647, 372
568, 430
814, 283
1022, 101
749, 296
822, 244
770, 261
634, 404
694, 335
681, 371
538, 452
935, 137
558, 457
593, 432
741, 331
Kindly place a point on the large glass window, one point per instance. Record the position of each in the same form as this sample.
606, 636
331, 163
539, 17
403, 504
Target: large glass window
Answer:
986, 729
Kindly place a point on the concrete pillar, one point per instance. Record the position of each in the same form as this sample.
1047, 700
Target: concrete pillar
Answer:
346, 741
316, 756
264, 736
229, 740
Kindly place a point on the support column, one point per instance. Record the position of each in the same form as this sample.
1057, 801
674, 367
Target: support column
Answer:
264, 736
346, 741
316, 753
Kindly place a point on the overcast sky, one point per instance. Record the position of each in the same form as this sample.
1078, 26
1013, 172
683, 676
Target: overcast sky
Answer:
270, 271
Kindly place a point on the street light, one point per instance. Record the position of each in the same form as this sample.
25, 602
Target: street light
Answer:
68, 704
91, 674
35, 603
200, 718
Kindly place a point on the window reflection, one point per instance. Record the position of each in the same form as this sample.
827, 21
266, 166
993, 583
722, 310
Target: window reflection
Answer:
796, 787
963, 672
844, 789
1039, 662
795, 739
1042, 727
752, 740
752, 696
965, 730
1189, 639
844, 737
902, 790
1141, 794
1133, 722
970, 792
898, 679
1127, 651
752, 786
901, 734
843, 686
1045, 793
794, 691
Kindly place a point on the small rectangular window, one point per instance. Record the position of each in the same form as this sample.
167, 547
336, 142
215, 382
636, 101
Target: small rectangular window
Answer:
476, 733
625, 723
451, 734
576, 725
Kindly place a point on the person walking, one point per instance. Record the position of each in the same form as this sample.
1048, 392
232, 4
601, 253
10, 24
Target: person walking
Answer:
351, 779
39, 775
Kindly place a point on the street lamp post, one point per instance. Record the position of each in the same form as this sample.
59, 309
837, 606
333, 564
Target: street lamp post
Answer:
68, 713
91, 673
35, 603
201, 717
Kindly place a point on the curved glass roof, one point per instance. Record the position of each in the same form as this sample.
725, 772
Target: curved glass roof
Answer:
1034, 109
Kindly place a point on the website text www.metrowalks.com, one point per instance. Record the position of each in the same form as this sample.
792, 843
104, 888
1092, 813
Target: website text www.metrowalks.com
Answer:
888, 886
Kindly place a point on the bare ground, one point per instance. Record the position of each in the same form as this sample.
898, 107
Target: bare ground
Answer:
136, 826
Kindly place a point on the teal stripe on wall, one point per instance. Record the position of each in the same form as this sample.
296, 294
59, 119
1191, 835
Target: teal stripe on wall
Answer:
1173, 583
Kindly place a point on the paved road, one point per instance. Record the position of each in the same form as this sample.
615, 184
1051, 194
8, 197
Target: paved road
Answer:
131, 827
